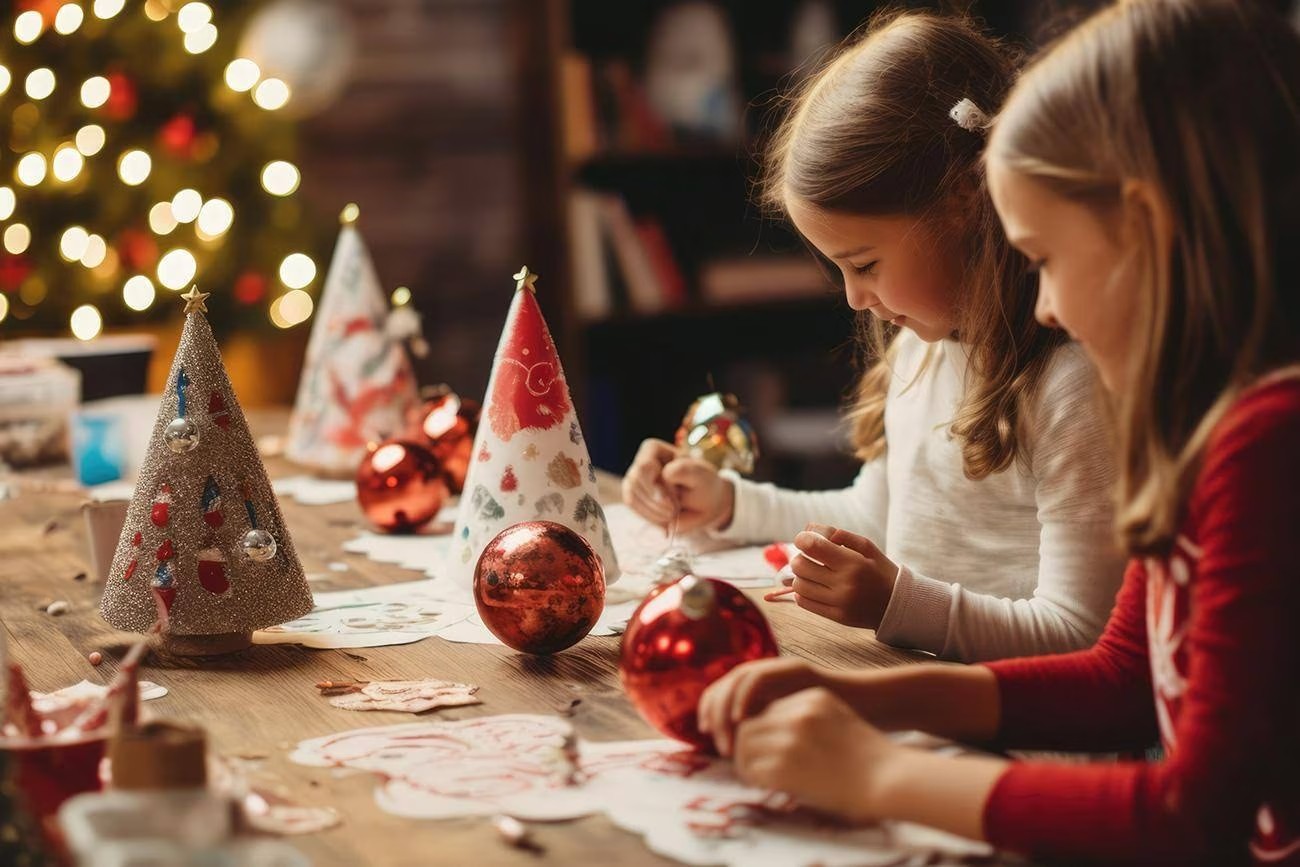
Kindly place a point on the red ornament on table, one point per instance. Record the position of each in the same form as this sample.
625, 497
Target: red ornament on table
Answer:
446, 424
683, 637
400, 486
539, 587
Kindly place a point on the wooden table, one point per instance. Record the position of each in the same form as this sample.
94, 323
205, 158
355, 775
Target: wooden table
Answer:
264, 701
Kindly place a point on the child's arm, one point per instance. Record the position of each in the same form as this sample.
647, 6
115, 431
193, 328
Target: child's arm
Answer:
1233, 746
1080, 567
762, 512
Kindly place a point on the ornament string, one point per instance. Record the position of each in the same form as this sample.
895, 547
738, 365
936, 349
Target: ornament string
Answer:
182, 383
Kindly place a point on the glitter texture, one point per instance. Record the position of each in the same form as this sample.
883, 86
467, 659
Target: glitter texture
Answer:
224, 468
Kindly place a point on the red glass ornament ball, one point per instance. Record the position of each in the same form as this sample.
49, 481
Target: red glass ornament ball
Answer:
400, 486
683, 637
446, 424
539, 587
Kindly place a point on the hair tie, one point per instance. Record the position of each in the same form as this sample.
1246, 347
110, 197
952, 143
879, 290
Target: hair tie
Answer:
970, 116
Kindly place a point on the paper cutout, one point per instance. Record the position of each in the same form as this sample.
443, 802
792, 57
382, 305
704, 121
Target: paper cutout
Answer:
311, 491
411, 696
686, 805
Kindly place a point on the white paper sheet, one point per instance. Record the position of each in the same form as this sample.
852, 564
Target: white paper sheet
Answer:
686, 805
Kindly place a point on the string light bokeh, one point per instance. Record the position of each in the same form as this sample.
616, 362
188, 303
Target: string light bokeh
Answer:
144, 154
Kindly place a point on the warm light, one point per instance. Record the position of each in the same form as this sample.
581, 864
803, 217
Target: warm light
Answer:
297, 270
67, 163
96, 252
95, 91
8, 201
33, 291
193, 16
72, 245
201, 40
155, 10
68, 18
215, 218
4, 306
90, 139
185, 205
107, 8
28, 26
161, 218
242, 74
401, 296
40, 82
291, 308
271, 94
134, 167
17, 238
176, 269
138, 292
86, 322
30, 169
5, 78
280, 178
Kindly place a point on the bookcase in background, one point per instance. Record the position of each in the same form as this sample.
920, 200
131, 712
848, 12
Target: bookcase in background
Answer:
645, 121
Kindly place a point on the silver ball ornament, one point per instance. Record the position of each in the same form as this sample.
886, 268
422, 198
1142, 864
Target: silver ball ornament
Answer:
181, 435
258, 545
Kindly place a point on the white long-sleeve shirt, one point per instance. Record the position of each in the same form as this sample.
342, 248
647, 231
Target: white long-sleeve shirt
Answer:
1021, 562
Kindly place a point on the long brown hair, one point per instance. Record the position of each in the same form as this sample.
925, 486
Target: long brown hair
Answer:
870, 133
1199, 100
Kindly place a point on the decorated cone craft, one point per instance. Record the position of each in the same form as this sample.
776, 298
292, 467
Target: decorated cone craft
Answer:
530, 459
204, 547
357, 384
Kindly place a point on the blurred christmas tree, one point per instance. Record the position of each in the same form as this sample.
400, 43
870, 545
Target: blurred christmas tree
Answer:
145, 154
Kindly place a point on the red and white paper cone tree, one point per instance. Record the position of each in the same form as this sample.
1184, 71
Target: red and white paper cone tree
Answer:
204, 546
357, 383
530, 459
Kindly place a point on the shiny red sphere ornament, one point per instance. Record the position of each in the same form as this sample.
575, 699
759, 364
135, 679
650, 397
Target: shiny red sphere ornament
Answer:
539, 587
446, 425
400, 486
683, 637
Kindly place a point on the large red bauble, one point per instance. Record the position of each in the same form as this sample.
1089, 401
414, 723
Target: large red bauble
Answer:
683, 637
400, 486
447, 425
539, 587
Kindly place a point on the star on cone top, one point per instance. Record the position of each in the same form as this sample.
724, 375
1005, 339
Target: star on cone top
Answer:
525, 279
194, 300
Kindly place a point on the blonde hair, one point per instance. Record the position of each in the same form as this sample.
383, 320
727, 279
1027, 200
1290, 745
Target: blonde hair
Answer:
870, 133
1197, 99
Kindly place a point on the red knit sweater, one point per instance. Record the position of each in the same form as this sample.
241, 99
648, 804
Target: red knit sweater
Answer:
1203, 651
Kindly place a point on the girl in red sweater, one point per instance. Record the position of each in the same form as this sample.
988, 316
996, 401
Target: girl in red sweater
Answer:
1149, 166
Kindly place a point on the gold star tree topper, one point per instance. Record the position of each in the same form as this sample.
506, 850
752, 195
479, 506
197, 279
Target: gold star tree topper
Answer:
194, 300
525, 279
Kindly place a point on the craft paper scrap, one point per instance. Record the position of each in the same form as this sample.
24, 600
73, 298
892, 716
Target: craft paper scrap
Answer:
370, 617
411, 696
48, 702
311, 491
686, 805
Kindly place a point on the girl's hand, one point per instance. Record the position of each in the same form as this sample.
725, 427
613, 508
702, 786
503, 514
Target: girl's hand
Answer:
746, 691
643, 486
842, 576
813, 746
660, 484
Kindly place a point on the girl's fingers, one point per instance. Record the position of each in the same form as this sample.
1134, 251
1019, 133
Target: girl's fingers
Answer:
652, 511
811, 570
830, 612
818, 593
821, 549
853, 541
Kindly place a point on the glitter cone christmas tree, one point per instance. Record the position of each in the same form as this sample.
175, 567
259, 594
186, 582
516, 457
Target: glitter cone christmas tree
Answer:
204, 547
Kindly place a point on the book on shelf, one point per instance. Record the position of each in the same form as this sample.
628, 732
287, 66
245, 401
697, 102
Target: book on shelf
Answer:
742, 279
620, 262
